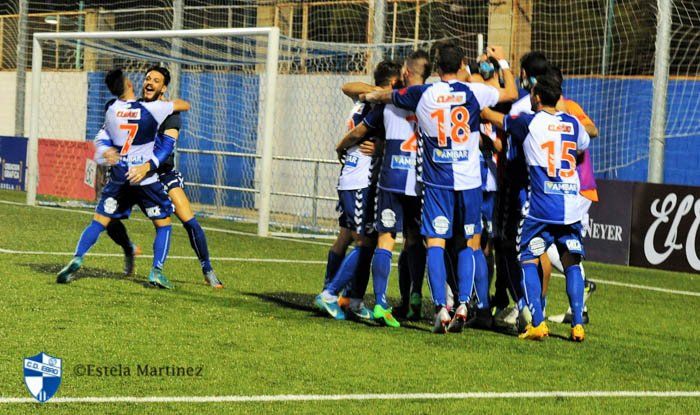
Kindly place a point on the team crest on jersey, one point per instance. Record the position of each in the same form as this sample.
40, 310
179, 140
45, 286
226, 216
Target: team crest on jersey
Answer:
129, 113
455, 98
560, 188
441, 224
110, 205
388, 218
449, 155
42, 376
400, 162
351, 161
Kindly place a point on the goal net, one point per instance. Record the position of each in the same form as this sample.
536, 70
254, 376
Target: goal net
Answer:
225, 74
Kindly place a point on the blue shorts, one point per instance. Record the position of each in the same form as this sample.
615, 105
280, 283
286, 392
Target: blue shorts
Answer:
118, 198
395, 211
535, 237
442, 208
172, 180
487, 205
356, 209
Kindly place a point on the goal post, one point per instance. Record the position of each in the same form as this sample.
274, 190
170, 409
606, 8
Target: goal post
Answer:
266, 131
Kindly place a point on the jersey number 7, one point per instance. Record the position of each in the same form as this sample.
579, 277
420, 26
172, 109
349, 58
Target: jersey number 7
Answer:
459, 125
132, 129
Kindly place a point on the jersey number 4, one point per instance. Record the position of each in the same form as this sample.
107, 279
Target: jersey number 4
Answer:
410, 145
566, 155
132, 129
459, 125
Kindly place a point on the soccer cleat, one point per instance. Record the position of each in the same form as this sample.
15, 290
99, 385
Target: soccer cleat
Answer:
524, 319
330, 307
415, 307
67, 274
458, 321
535, 333
157, 279
577, 333
359, 312
383, 315
506, 317
211, 279
482, 319
343, 302
130, 261
442, 319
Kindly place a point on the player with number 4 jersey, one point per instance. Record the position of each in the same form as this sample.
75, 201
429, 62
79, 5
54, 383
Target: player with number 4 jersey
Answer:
448, 166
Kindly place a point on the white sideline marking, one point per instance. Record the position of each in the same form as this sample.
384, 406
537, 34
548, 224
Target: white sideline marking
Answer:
317, 262
638, 286
366, 397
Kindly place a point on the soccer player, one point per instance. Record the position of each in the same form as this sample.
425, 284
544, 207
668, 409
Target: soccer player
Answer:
448, 164
398, 206
551, 141
128, 142
155, 85
356, 192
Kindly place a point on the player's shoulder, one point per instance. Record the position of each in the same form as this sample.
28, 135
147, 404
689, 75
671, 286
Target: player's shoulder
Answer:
522, 105
109, 104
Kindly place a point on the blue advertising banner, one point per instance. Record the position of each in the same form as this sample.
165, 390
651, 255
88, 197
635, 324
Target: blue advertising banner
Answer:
13, 156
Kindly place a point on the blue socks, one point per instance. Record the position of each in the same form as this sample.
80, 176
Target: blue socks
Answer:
437, 275
332, 265
198, 242
381, 267
481, 279
161, 246
345, 273
358, 287
533, 292
574, 289
89, 238
465, 274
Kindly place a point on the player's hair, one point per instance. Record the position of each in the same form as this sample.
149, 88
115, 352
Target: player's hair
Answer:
419, 62
548, 88
115, 82
534, 63
555, 72
385, 71
449, 57
163, 71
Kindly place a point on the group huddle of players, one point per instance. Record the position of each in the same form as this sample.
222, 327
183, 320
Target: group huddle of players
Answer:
471, 175
136, 142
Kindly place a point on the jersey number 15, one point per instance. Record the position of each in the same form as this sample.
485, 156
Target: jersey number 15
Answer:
566, 155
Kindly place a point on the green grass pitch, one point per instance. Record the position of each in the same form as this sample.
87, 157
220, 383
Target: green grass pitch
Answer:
261, 335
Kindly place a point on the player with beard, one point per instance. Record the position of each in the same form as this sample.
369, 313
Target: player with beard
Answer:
155, 85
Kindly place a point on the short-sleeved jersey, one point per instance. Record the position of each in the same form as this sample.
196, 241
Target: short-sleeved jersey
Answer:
550, 143
357, 168
398, 127
448, 121
131, 127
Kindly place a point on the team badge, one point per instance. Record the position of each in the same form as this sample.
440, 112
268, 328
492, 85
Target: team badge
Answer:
388, 218
42, 375
441, 225
110, 205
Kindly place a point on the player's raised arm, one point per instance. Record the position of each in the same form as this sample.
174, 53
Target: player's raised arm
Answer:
105, 152
572, 107
509, 92
355, 89
351, 138
180, 105
494, 117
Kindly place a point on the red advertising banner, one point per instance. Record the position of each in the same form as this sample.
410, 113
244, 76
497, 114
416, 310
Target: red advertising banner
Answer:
67, 169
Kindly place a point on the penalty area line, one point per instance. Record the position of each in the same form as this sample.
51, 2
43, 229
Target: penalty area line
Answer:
317, 262
364, 397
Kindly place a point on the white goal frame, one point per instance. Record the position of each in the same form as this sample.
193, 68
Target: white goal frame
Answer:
272, 56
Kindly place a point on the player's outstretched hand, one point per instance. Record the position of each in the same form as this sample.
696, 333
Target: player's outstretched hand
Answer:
111, 156
138, 173
496, 52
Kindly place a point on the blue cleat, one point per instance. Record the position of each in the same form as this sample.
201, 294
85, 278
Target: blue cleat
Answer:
67, 274
360, 312
330, 307
157, 279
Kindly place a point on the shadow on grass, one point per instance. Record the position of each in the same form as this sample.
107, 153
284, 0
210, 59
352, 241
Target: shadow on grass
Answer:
85, 272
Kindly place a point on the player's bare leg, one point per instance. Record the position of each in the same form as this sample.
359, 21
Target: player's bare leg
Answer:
198, 241
87, 239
